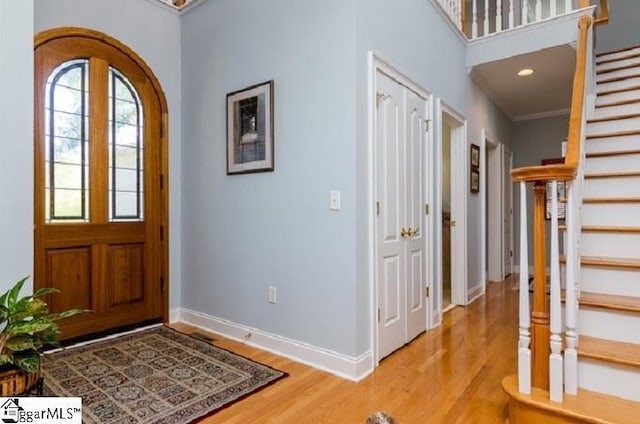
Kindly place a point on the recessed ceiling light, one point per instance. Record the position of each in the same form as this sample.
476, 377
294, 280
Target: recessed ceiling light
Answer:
525, 72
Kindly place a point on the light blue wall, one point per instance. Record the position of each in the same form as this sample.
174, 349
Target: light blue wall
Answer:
154, 34
242, 233
623, 29
16, 141
414, 37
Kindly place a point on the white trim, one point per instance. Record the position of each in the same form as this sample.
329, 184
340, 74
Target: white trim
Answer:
459, 193
351, 368
377, 63
549, 114
476, 292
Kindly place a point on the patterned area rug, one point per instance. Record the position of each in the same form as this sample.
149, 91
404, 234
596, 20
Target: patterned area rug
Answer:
153, 376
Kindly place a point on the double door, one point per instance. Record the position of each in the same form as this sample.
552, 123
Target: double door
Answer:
401, 260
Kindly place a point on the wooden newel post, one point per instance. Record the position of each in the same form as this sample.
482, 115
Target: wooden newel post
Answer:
540, 314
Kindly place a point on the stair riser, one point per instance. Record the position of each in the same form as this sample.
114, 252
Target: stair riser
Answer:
618, 85
613, 245
609, 324
618, 97
618, 74
609, 111
612, 379
613, 163
612, 187
617, 125
618, 55
620, 282
613, 144
619, 63
609, 214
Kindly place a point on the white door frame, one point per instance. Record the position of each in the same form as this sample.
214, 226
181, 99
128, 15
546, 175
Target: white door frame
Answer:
494, 231
459, 190
376, 63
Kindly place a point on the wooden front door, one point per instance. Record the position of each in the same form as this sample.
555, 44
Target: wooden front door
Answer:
98, 185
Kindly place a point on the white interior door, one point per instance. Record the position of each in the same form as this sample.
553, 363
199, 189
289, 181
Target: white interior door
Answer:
391, 194
400, 222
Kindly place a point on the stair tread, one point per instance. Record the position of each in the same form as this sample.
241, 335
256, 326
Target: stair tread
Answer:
618, 59
614, 118
619, 68
610, 351
586, 406
613, 153
616, 79
613, 134
611, 200
618, 90
618, 103
610, 301
609, 229
613, 174
607, 262
625, 49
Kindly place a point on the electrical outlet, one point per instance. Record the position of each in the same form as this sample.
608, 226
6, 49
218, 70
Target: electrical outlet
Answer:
272, 295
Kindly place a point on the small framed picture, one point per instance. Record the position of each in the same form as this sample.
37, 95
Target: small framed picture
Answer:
250, 141
475, 156
475, 180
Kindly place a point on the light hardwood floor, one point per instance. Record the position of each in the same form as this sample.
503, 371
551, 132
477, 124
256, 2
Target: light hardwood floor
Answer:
449, 375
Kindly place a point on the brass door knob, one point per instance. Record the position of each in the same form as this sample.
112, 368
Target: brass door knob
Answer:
404, 232
414, 232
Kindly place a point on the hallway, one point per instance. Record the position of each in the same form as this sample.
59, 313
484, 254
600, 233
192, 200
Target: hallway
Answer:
450, 375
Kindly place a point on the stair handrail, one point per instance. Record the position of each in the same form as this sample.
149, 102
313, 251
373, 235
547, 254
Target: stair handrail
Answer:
540, 361
604, 13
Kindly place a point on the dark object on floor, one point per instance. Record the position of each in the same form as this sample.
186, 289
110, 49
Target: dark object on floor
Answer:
153, 376
381, 418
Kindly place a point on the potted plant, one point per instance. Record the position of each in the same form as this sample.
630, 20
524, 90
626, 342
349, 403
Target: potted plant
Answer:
26, 327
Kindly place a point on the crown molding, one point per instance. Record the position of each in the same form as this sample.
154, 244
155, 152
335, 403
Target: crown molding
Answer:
176, 10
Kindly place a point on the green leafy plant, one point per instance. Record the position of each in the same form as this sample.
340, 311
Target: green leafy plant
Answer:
27, 326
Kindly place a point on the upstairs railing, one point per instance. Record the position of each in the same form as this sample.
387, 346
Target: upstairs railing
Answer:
542, 361
479, 18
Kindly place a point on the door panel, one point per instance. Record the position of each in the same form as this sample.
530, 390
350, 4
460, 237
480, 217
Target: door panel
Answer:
392, 189
416, 140
100, 260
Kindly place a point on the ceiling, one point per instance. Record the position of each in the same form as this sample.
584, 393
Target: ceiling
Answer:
545, 93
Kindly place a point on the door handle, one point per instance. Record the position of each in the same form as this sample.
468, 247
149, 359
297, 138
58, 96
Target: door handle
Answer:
415, 232
404, 232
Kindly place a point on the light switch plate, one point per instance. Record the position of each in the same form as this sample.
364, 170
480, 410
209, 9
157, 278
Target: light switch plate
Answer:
334, 200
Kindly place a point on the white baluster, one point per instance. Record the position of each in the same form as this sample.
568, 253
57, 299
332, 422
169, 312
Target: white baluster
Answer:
553, 8
512, 16
555, 358
459, 14
474, 20
571, 336
524, 351
499, 16
525, 12
538, 10
486, 17
567, 6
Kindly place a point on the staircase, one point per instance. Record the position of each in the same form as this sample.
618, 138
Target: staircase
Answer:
609, 317
608, 321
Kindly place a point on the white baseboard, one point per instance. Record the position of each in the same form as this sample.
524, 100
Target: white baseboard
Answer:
475, 293
351, 368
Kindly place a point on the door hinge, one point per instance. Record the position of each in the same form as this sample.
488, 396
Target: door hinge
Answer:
380, 97
378, 208
426, 209
427, 125
426, 292
161, 284
162, 233
378, 314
